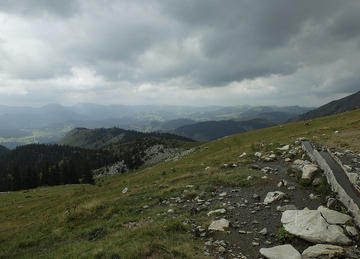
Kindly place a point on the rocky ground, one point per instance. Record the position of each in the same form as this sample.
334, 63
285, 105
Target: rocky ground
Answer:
241, 221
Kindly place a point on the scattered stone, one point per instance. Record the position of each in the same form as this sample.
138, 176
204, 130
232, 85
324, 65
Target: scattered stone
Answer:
219, 225
249, 178
207, 168
312, 226
308, 171
223, 194
242, 155
291, 188
221, 249
256, 196
273, 196
257, 154
323, 250
280, 252
255, 243
170, 211
287, 159
218, 211
284, 148
263, 231
145, 206
125, 190
313, 196
272, 156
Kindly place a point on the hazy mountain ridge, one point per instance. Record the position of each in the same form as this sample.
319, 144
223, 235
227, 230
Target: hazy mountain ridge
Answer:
211, 130
338, 106
100, 138
48, 124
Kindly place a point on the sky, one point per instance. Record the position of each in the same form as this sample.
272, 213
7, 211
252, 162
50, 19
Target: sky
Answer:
199, 52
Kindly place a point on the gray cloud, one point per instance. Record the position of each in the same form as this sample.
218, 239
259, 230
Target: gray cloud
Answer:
180, 47
40, 7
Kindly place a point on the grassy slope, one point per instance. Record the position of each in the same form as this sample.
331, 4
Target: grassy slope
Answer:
34, 223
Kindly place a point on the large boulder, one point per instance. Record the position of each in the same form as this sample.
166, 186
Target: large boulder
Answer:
280, 252
273, 196
219, 225
323, 250
311, 226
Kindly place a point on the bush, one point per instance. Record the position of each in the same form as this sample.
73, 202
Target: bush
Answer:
283, 236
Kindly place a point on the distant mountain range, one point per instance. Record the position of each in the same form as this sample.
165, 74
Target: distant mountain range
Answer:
48, 124
338, 106
211, 130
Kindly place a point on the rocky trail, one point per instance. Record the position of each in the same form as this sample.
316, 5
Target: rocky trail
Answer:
257, 221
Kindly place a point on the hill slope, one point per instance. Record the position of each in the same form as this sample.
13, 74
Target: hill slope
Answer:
338, 106
100, 138
211, 130
146, 220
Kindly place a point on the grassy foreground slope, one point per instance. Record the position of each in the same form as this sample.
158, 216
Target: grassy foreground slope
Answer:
102, 222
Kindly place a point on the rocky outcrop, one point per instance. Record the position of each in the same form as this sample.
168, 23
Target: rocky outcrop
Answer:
280, 252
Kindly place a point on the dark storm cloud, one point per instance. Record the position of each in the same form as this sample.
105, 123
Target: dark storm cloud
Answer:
310, 46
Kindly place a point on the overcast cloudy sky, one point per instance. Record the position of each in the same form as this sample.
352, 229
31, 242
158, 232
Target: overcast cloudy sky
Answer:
198, 52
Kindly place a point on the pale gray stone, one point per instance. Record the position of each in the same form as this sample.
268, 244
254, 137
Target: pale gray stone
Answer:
280, 252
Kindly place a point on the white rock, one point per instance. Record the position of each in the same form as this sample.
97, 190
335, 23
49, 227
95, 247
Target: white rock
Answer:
333, 217
207, 168
311, 226
263, 231
328, 251
125, 190
170, 211
308, 171
223, 194
273, 196
287, 159
219, 225
284, 148
313, 196
272, 156
242, 155
281, 252
257, 154
218, 211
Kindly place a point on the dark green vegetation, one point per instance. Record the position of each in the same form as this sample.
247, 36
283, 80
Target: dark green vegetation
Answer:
211, 130
98, 221
100, 138
3, 150
38, 164
347, 103
35, 165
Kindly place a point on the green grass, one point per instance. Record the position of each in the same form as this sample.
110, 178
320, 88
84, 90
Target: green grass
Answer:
102, 222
